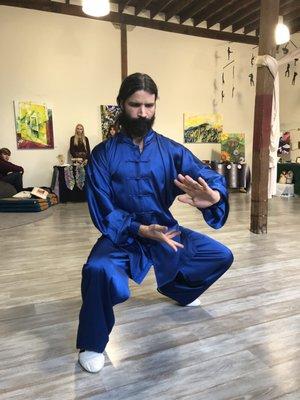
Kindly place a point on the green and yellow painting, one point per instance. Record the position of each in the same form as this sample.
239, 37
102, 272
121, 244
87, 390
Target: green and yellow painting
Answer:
34, 125
202, 128
233, 147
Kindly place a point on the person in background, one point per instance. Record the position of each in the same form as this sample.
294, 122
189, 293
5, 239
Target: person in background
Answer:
9, 172
79, 144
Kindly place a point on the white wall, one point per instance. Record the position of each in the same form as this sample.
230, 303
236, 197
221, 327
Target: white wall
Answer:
185, 68
290, 101
73, 64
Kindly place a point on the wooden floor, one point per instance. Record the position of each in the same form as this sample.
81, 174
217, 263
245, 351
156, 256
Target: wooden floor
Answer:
243, 343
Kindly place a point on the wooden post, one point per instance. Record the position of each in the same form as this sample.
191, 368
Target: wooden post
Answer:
262, 119
124, 62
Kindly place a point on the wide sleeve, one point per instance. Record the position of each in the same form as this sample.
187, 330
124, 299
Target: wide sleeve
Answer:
116, 224
215, 215
72, 147
88, 149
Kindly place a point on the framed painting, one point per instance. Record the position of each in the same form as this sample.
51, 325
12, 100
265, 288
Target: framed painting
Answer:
109, 124
34, 125
202, 128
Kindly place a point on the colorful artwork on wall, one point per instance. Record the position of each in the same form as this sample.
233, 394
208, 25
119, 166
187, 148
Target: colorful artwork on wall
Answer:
109, 125
202, 128
284, 146
233, 147
34, 125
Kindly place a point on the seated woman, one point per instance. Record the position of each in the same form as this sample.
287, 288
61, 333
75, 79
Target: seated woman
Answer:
10, 172
79, 144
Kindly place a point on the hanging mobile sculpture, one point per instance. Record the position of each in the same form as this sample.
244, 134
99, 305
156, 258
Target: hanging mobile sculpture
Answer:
285, 50
251, 76
229, 52
287, 71
294, 78
232, 90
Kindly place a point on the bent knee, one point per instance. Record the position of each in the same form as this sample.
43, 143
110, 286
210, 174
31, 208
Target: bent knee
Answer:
226, 257
96, 267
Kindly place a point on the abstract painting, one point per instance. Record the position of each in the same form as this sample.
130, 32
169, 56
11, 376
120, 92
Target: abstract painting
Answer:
34, 125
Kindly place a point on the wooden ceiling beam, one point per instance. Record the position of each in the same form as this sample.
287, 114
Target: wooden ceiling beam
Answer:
241, 14
160, 7
115, 17
227, 11
295, 26
175, 9
250, 18
251, 27
209, 10
142, 5
122, 4
290, 10
193, 10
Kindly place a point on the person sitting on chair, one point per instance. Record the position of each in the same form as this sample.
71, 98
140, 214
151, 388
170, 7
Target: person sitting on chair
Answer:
9, 172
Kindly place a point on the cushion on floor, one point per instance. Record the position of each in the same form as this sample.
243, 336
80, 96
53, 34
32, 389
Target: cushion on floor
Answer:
23, 205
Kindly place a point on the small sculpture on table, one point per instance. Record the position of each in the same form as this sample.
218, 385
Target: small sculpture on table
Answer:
61, 160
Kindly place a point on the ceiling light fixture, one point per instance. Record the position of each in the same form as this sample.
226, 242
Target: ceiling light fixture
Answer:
282, 33
96, 8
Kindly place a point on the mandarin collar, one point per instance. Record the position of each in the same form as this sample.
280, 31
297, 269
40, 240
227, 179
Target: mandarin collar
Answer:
123, 137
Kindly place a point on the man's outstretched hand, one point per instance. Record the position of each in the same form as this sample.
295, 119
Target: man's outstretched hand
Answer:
198, 194
161, 234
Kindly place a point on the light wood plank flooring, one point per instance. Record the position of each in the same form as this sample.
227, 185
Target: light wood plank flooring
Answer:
242, 343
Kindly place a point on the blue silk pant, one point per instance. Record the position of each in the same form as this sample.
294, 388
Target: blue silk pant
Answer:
105, 283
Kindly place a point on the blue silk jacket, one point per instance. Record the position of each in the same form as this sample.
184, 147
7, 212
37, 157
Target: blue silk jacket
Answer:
126, 188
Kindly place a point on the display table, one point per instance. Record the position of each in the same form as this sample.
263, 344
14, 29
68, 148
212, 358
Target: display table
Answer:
68, 183
296, 170
285, 189
237, 175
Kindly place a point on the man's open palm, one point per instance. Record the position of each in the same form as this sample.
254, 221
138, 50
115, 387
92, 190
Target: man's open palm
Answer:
198, 194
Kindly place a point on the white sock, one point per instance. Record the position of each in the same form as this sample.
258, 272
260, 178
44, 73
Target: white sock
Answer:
194, 303
91, 361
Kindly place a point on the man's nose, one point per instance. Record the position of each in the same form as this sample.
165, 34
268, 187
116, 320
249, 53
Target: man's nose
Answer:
142, 111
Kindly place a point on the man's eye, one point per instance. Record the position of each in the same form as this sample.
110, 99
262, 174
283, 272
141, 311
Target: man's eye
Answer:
149, 105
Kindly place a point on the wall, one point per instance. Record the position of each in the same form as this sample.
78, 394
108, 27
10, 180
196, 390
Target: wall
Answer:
290, 101
187, 69
73, 64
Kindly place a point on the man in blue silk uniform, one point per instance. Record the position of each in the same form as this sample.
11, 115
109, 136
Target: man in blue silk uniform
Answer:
132, 180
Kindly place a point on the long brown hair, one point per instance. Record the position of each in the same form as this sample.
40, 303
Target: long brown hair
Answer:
77, 137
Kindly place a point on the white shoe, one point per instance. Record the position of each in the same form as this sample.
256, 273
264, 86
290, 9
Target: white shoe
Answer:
91, 361
195, 303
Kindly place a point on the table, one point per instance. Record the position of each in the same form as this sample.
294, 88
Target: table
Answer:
68, 183
296, 170
237, 175
285, 189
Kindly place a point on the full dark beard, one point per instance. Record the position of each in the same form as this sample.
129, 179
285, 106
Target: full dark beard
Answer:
136, 127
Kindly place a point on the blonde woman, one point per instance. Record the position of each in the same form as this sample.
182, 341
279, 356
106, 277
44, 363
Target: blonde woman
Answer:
79, 144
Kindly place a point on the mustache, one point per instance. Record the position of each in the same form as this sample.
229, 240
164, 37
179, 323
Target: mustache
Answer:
136, 127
